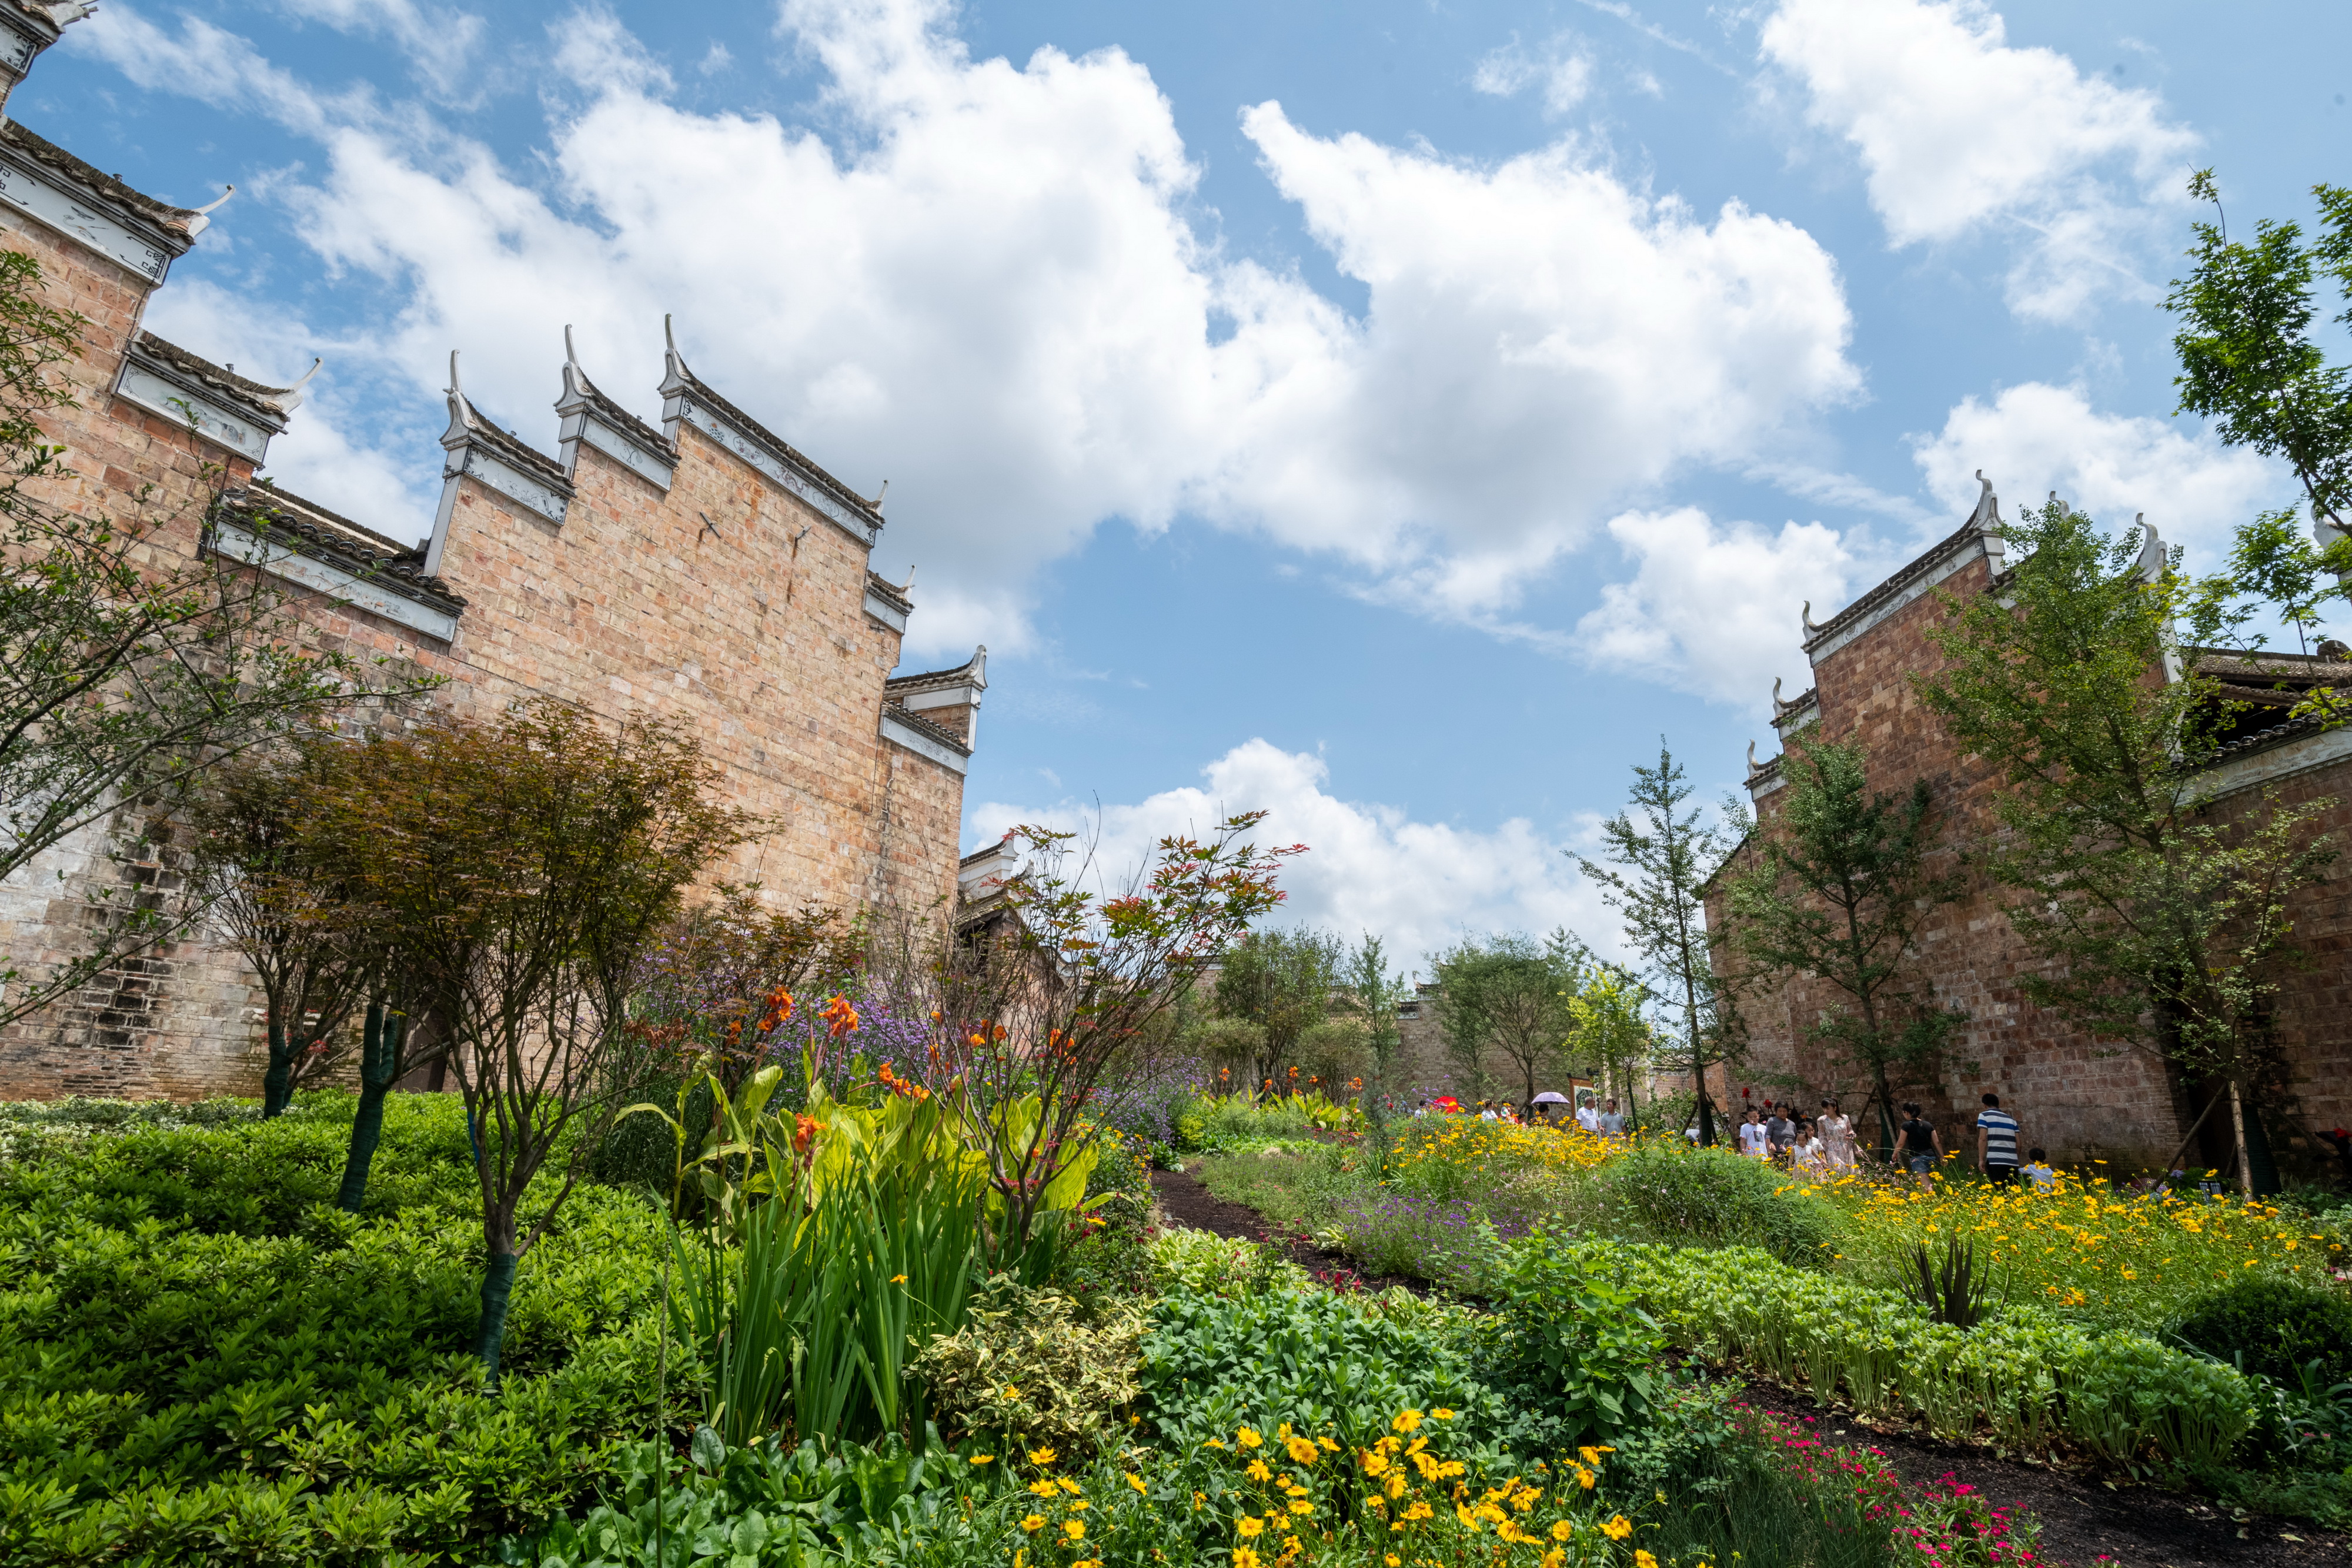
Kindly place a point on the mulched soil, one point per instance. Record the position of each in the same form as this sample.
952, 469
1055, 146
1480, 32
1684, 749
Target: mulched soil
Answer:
2086, 1520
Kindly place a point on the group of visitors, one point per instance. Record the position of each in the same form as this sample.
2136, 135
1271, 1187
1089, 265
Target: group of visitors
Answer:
1823, 1145
1816, 1146
1603, 1118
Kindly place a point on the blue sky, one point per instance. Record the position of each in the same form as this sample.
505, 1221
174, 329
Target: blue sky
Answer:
1395, 415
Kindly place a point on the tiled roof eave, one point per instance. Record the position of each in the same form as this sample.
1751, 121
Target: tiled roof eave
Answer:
784, 451
250, 397
630, 426
173, 224
283, 525
888, 594
924, 726
1918, 568
511, 447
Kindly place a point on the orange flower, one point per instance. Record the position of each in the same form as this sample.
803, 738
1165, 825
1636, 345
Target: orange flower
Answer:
804, 1133
840, 1016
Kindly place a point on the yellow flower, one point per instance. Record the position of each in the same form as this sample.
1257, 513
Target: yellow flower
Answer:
1041, 1456
1043, 1489
1301, 1506
1301, 1451
1374, 1464
983, 1459
1249, 1527
1198, 1498
1393, 1560
1075, 1529
1593, 1456
1329, 1446
1554, 1558
1066, 1484
1257, 1471
1245, 1558
1442, 1413
1033, 1523
1396, 1483
1585, 1477
1618, 1528
1248, 1438
1013, 1391
1079, 1505
1643, 1560
898, 1279
1562, 1530
1406, 1420
1135, 1481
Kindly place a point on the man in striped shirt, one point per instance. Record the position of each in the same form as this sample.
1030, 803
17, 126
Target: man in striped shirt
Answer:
1996, 1142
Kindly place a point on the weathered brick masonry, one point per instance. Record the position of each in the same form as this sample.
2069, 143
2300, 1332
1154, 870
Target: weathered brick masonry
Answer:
2080, 1099
702, 569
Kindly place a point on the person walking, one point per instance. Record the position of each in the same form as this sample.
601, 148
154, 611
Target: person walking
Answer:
1612, 1120
1588, 1116
1836, 1132
1779, 1132
1808, 1156
1996, 1143
1918, 1144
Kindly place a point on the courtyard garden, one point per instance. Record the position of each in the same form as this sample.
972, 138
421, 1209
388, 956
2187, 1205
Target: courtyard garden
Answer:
799, 1322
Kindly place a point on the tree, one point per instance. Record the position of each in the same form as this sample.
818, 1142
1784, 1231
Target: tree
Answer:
2160, 911
1024, 1025
2247, 361
523, 868
130, 667
1608, 1030
1509, 994
1375, 991
1667, 856
255, 874
1282, 982
1840, 886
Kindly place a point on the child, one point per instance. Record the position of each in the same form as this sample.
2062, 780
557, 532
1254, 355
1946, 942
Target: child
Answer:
2038, 1173
1753, 1138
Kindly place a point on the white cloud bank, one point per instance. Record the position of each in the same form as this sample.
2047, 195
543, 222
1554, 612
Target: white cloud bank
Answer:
1957, 129
989, 293
1419, 887
1715, 610
2034, 438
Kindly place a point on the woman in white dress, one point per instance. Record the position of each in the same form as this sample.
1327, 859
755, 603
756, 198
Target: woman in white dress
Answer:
1835, 1130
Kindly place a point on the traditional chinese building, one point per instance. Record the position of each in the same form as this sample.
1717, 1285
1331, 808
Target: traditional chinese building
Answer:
701, 570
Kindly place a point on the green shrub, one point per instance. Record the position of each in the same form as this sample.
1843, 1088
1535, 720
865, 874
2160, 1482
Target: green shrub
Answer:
2023, 1379
201, 1360
2277, 1326
1185, 1261
1580, 1345
1321, 1360
1710, 1196
1028, 1371
1110, 1259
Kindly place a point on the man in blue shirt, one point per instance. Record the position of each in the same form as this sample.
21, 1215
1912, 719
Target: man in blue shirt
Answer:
1996, 1142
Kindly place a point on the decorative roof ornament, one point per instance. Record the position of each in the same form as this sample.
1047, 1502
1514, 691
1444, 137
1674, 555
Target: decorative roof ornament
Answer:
1806, 615
1754, 767
2151, 550
877, 502
461, 411
673, 362
291, 398
66, 13
1779, 708
201, 220
908, 585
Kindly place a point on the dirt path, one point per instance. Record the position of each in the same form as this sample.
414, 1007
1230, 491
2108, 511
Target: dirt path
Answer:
2086, 1520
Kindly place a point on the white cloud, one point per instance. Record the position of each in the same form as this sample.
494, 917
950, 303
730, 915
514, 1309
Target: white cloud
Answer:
1715, 610
441, 42
989, 294
2034, 438
1419, 887
1564, 71
1956, 129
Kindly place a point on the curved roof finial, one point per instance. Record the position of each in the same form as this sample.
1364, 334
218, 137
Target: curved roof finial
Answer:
1806, 615
571, 357
876, 504
908, 585
202, 219
1779, 708
1754, 767
291, 398
2151, 548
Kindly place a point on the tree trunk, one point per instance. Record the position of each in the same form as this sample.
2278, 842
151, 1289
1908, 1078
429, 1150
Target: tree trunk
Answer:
382, 1044
1885, 1096
1705, 1105
277, 1082
2237, 1138
497, 1284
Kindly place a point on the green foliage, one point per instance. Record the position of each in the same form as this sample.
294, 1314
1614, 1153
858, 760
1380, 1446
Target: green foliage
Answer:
1509, 996
1188, 1262
2023, 1380
207, 1362
1279, 983
1581, 1343
1320, 1361
1026, 1371
1716, 1199
2247, 361
2274, 1327
1109, 1259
